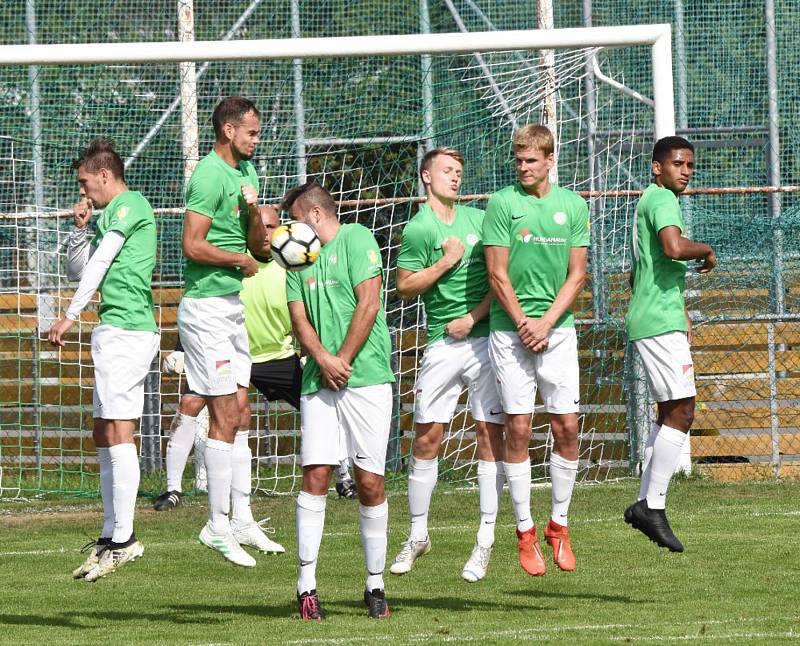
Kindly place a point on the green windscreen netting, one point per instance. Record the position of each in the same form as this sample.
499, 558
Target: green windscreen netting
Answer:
359, 126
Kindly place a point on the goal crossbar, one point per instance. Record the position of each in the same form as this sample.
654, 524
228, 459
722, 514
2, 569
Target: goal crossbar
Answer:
658, 37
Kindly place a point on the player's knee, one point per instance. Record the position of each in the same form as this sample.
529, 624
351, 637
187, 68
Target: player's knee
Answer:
371, 490
191, 405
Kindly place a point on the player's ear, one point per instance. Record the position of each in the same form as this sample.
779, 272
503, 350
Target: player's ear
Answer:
228, 129
656, 168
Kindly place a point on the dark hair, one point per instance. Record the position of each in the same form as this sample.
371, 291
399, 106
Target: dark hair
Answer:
666, 145
99, 154
232, 110
310, 192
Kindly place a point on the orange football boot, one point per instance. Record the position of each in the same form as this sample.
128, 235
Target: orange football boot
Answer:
558, 537
530, 553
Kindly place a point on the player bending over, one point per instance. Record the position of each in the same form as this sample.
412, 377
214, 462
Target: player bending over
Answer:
119, 262
222, 222
338, 317
536, 236
658, 325
441, 258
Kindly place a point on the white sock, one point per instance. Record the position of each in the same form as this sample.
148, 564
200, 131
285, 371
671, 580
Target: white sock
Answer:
179, 446
644, 483
518, 477
562, 477
343, 471
490, 487
125, 486
241, 461
106, 491
666, 453
310, 523
373, 522
218, 466
421, 482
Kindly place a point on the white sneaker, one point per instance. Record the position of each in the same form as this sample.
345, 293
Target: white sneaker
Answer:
93, 558
254, 535
409, 552
112, 560
475, 568
226, 545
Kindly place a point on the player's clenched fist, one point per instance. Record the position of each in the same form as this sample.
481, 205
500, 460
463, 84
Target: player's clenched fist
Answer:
250, 195
249, 266
453, 249
82, 213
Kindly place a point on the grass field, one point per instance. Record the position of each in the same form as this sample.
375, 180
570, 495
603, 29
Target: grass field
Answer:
739, 579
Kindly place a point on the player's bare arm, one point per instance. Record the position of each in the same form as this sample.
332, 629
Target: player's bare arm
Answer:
411, 284
677, 247
200, 250
461, 327
368, 295
334, 370
255, 225
500, 283
534, 334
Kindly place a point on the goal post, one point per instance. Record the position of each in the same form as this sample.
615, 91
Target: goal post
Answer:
366, 121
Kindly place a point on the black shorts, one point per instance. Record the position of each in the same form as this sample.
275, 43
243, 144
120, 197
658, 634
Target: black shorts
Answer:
279, 379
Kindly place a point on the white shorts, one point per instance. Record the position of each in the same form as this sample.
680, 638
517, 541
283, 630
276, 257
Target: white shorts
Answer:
449, 366
122, 359
520, 371
353, 422
667, 360
215, 348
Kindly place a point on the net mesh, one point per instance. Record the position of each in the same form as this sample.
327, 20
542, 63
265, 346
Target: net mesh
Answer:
363, 130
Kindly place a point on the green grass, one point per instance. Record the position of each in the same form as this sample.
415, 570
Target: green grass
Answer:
739, 579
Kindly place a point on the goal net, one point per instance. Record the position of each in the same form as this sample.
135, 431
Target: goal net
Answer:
355, 115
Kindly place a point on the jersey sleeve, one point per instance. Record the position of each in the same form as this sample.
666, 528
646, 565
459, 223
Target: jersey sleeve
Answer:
364, 256
413, 248
580, 226
665, 211
203, 196
294, 286
129, 216
497, 223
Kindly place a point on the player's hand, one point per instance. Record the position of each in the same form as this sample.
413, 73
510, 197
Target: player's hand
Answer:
533, 333
82, 213
57, 332
453, 250
248, 266
173, 363
708, 264
334, 371
250, 195
461, 327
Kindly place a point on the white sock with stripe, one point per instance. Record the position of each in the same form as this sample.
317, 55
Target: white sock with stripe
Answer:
562, 477
125, 486
178, 448
518, 477
373, 522
310, 519
666, 453
491, 477
218, 467
241, 479
421, 482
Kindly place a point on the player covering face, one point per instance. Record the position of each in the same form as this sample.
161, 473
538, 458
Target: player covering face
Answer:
118, 261
441, 259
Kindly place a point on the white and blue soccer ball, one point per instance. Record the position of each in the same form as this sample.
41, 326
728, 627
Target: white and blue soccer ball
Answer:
295, 246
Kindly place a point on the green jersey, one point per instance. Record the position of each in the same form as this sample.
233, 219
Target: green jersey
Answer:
215, 191
266, 314
461, 288
126, 296
328, 290
539, 233
656, 305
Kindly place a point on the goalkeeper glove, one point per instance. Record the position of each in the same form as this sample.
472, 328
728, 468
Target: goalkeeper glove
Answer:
173, 363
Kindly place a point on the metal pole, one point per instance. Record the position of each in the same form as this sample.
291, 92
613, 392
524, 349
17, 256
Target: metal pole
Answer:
774, 172
599, 288
33, 106
548, 78
150, 425
774, 423
426, 67
394, 457
683, 97
299, 109
189, 128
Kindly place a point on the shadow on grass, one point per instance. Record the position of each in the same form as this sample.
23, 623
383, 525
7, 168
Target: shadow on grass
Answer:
59, 621
453, 604
265, 610
608, 598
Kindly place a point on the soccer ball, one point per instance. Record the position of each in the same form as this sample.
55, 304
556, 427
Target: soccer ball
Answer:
295, 246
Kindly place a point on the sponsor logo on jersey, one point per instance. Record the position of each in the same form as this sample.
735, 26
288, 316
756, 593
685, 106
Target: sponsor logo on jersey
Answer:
525, 236
333, 259
314, 284
559, 217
